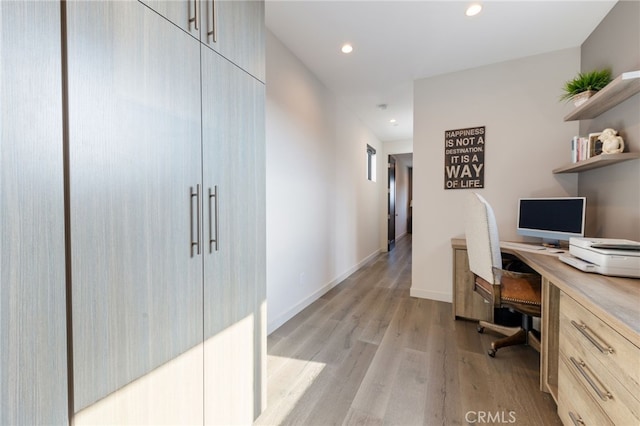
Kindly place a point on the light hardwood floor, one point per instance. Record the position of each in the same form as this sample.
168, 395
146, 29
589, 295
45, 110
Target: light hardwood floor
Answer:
367, 353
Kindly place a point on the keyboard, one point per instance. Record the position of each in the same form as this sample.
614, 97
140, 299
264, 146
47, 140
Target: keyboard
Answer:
533, 248
521, 246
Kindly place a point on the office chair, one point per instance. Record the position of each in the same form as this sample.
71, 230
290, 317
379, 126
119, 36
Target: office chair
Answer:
503, 281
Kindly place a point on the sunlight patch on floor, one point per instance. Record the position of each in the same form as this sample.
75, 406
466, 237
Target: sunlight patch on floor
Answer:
289, 379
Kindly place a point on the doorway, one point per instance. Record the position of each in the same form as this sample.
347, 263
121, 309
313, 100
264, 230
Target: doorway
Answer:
399, 202
391, 191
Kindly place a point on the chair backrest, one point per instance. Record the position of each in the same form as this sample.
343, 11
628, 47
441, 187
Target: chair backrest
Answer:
483, 242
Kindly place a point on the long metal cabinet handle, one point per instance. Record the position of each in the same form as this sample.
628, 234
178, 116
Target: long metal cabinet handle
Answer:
195, 242
603, 394
195, 15
214, 28
577, 420
209, 32
582, 328
213, 242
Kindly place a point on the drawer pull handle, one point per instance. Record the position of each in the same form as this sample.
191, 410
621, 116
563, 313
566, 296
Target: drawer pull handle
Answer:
582, 328
580, 365
577, 420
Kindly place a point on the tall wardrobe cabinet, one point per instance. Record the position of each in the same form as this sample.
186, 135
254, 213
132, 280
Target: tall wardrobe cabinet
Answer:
134, 154
133, 212
167, 217
33, 345
234, 251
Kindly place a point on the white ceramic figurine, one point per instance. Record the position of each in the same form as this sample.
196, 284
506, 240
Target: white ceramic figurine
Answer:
611, 143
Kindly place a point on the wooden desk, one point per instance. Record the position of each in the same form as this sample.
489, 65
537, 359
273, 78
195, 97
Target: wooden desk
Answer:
611, 310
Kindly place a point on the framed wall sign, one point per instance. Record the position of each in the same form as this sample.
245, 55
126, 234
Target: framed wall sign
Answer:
464, 158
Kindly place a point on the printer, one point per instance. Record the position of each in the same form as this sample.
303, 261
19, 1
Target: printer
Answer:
604, 256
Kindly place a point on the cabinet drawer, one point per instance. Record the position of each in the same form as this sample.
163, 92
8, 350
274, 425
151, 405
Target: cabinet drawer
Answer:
602, 343
574, 404
604, 375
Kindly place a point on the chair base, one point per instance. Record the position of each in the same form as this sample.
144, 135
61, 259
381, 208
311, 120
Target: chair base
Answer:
514, 336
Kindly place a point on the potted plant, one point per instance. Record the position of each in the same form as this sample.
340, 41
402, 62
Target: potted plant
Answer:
585, 85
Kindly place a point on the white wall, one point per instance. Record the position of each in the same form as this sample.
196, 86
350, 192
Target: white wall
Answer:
526, 139
613, 194
322, 212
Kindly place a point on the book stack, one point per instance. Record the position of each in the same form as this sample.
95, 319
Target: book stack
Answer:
583, 148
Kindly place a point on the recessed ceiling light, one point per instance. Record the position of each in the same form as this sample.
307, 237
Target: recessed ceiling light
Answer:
474, 9
393, 120
347, 48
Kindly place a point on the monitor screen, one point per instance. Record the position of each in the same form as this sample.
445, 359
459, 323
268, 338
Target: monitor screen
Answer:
552, 218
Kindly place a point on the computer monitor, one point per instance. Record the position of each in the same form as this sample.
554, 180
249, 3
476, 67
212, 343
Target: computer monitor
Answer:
552, 219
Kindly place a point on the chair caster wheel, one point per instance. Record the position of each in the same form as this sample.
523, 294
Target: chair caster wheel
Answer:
480, 329
492, 353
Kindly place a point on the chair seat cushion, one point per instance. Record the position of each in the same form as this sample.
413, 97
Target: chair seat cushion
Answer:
519, 291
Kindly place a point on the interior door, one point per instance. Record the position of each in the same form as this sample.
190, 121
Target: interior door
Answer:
410, 206
391, 190
134, 148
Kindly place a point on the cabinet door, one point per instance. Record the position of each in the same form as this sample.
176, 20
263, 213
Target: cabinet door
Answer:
184, 13
33, 362
467, 303
134, 112
233, 170
235, 29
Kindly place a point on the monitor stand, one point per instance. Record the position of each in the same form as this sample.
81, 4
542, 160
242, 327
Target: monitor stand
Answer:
551, 243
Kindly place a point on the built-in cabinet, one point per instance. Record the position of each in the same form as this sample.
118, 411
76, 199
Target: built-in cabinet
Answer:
179, 209
466, 302
598, 374
234, 239
160, 178
33, 337
134, 154
234, 29
590, 338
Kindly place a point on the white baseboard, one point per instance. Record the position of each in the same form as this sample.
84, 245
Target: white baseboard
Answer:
385, 249
354, 268
275, 323
431, 295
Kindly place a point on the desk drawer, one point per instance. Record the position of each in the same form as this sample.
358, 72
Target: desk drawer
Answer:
618, 355
574, 404
604, 363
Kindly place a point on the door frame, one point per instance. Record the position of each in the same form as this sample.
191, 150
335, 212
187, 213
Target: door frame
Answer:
391, 202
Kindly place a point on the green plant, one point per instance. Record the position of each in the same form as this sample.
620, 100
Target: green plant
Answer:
594, 80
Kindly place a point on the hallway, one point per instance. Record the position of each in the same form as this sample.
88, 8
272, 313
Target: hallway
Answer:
367, 353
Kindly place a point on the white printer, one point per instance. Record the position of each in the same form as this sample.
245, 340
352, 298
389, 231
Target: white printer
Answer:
604, 256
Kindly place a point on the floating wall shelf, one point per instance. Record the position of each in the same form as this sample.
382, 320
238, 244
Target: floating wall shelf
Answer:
598, 161
619, 90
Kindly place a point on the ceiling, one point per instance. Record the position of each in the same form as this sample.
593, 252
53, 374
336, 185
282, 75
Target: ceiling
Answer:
397, 42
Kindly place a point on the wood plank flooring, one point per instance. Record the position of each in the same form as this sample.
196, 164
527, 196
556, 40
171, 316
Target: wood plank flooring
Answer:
366, 353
